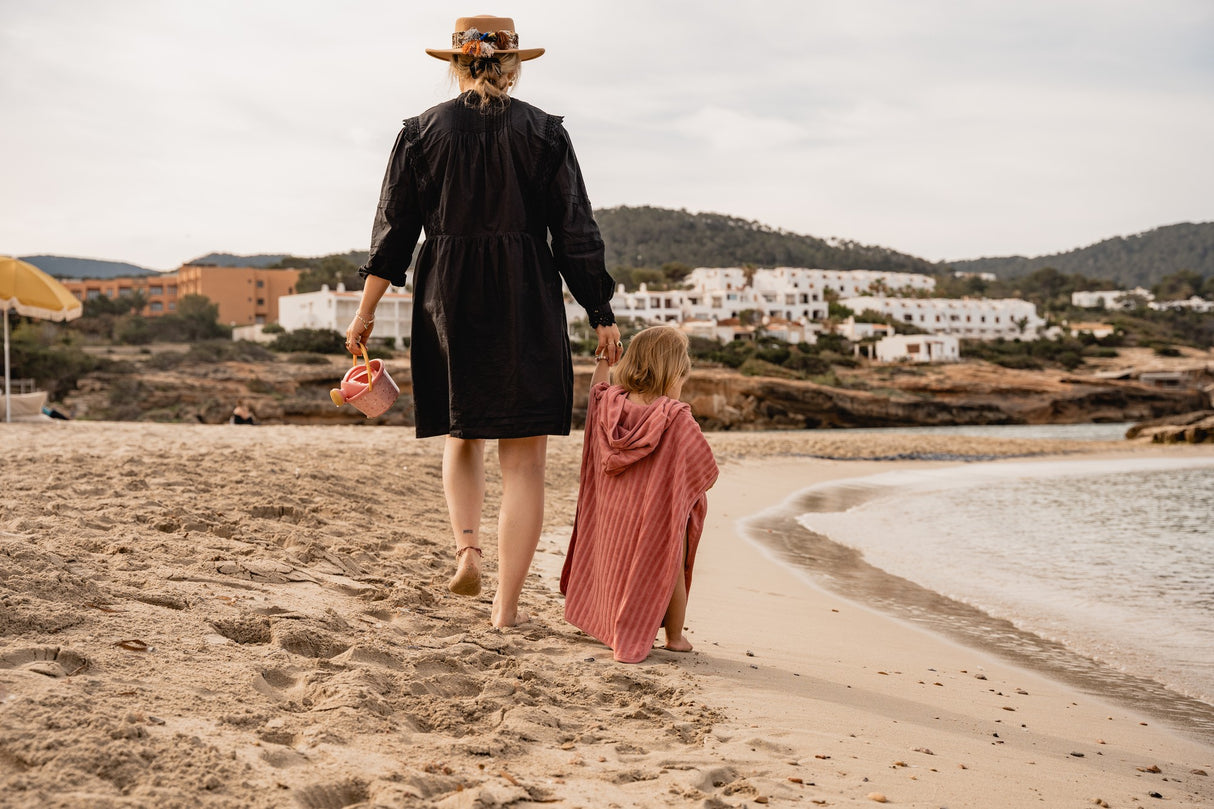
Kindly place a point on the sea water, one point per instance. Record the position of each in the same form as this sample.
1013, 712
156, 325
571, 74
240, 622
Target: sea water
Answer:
1112, 560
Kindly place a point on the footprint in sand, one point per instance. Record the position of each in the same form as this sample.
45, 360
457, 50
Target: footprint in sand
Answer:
244, 629
284, 757
50, 661
282, 684
331, 796
307, 639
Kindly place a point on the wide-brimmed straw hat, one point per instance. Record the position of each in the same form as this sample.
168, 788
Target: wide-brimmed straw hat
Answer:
484, 36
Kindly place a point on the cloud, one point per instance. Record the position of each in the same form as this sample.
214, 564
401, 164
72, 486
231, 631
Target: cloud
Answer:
153, 132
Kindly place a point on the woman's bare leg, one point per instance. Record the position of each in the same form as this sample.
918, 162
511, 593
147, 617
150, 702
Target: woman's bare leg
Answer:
519, 522
464, 485
676, 612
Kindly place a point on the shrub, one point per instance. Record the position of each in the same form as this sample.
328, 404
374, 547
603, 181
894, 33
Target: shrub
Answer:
757, 367
228, 351
775, 354
1018, 361
807, 364
316, 341
1100, 351
54, 367
308, 358
832, 342
1069, 360
733, 354
165, 360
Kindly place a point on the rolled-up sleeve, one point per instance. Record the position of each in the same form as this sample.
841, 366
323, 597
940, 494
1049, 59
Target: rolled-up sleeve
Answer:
577, 246
398, 218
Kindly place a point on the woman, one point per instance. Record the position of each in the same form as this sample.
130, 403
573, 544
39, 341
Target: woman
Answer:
489, 178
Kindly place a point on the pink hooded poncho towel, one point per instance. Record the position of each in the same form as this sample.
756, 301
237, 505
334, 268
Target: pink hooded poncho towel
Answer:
645, 469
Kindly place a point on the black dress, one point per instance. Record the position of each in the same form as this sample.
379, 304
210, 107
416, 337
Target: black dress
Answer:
490, 348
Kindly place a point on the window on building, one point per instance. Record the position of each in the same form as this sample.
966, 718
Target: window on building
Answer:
260, 320
172, 305
93, 294
156, 306
260, 283
262, 302
156, 290
912, 348
172, 289
909, 318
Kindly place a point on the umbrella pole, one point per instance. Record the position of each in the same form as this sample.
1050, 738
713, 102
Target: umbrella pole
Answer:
8, 387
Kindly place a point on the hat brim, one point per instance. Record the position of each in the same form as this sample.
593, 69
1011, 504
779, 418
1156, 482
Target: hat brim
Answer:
523, 53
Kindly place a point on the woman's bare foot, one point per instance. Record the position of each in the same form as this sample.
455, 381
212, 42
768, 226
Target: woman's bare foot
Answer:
467, 578
502, 619
679, 644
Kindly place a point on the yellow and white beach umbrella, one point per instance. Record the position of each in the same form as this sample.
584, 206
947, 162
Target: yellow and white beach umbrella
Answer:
30, 292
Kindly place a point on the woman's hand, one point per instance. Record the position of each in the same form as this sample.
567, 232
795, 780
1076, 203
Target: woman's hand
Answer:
609, 344
359, 332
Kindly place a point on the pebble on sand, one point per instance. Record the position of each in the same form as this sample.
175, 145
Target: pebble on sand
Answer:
877, 797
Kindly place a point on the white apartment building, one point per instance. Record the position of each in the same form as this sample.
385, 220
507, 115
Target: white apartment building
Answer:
855, 332
783, 293
335, 308
919, 348
1110, 298
1194, 304
665, 306
975, 318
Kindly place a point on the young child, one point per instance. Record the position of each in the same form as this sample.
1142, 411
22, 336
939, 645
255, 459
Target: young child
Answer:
641, 505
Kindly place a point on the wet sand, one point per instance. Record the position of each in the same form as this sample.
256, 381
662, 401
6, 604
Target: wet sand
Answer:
257, 617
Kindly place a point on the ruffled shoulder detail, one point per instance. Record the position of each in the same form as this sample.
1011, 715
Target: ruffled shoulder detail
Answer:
555, 142
415, 160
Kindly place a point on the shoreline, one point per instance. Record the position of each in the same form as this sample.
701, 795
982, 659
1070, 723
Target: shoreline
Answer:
219, 616
850, 684
842, 570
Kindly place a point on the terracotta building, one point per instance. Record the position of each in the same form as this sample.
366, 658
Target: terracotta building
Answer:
245, 295
159, 290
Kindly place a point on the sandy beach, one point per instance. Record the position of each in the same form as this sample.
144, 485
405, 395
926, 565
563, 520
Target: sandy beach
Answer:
226, 616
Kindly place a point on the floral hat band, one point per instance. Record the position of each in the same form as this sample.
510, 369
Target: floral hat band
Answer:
474, 43
484, 37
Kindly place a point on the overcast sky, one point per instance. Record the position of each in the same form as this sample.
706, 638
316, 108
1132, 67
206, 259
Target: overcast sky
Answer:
155, 131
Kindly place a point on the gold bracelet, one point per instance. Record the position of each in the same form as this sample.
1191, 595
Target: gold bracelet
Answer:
366, 323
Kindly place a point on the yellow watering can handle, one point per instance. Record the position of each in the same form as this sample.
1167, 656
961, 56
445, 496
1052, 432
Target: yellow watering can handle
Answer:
367, 362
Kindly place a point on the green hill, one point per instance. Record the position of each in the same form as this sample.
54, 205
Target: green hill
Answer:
230, 260
650, 237
1138, 260
67, 267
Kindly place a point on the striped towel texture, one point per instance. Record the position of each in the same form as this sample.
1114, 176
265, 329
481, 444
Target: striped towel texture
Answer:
645, 471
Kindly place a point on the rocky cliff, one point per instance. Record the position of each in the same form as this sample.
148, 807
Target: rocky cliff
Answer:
967, 393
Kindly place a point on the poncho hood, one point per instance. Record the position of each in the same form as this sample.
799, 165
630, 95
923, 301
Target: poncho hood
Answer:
632, 431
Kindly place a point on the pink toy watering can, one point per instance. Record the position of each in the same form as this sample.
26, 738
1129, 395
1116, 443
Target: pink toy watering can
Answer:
368, 387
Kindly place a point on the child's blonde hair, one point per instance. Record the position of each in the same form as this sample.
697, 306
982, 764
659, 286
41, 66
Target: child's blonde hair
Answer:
656, 359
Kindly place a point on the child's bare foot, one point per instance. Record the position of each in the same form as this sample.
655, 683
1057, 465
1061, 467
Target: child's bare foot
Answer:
467, 578
679, 644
